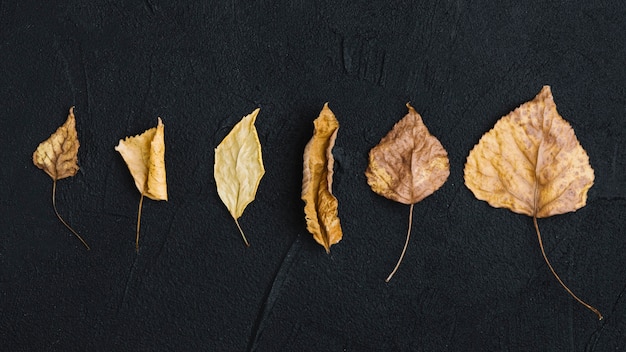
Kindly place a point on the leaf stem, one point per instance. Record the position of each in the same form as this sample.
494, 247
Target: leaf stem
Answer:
54, 205
245, 240
138, 223
406, 244
543, 252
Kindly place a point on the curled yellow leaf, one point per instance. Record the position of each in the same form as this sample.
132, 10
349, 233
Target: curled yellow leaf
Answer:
144, 155
408, 165
320, 204
239, 167
58, 157
532, 163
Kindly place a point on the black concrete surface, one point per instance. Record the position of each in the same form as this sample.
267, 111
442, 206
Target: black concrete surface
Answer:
473, 278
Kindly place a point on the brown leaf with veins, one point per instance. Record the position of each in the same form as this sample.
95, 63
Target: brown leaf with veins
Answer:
320, 204
58, 157
408, 165
531, 163
144, 155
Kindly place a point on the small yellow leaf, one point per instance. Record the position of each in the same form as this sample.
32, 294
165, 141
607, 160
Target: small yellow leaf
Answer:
58, 157
531, 163
320, 204
144, 155
239, 167
408, 165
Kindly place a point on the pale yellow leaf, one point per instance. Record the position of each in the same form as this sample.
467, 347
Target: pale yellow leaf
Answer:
239, 167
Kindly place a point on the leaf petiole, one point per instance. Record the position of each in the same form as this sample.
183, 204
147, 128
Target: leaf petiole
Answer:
543, 252
54, 206
245, 240
406, 244
138, 223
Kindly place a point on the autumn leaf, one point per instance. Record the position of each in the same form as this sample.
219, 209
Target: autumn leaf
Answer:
320, 207
408, 165
531, 163
144, 155
239, 168
58, 157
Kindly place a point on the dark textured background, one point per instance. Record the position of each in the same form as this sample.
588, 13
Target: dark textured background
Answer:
473, 278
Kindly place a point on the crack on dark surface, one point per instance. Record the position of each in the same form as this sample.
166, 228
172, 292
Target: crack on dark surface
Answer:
272, 296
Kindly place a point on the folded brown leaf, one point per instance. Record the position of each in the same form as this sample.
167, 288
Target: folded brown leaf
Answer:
320, 204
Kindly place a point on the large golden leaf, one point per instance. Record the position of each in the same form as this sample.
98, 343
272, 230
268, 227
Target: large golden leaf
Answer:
58, 157
320, 207
144, 155
531, 163
239, 167
408, 165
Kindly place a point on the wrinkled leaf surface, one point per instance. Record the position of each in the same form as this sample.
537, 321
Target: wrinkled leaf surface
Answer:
531, 163
408, 165
320, 204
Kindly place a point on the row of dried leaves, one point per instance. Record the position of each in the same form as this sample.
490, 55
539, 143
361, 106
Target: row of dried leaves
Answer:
530, 163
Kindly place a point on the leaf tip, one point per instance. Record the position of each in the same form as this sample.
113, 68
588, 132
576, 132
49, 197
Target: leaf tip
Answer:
252, 116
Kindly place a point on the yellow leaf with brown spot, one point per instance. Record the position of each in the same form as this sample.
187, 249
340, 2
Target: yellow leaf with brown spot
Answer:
408, 165
144, 155
320, 204
58, 157
239, 168
531, 163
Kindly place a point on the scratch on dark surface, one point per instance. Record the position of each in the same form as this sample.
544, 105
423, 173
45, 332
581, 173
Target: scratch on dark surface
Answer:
155, 257
570, 307
381, 73
272, 296
133, 276
145, 96
84, 67
129, 280
149, 6
66, 65
595, 337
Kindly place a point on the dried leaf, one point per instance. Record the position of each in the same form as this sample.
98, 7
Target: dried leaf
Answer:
58, 157
239, 167
531, 163
144, 155
320, 207
408, 165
